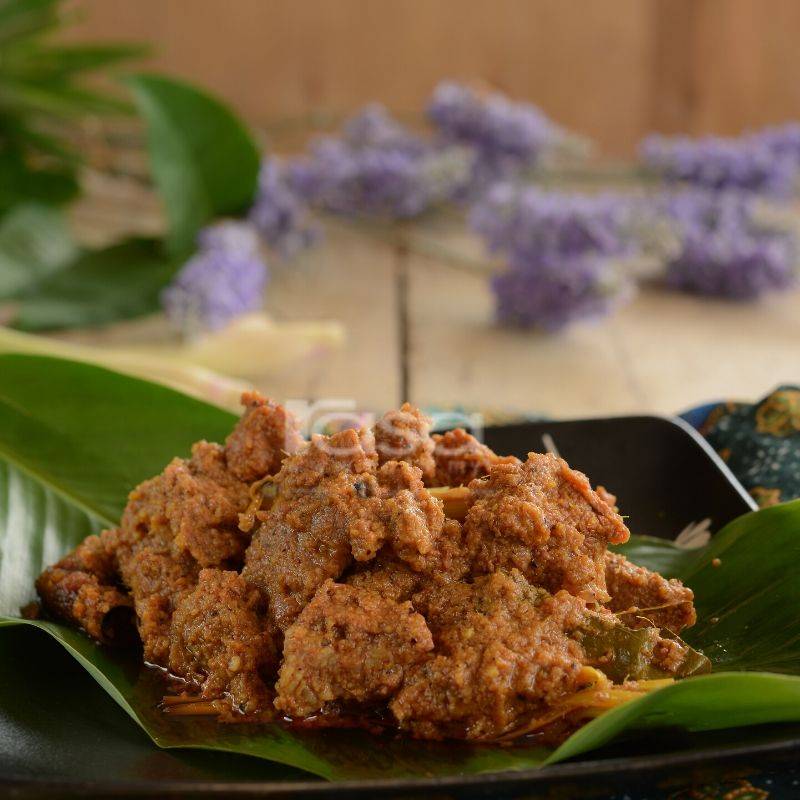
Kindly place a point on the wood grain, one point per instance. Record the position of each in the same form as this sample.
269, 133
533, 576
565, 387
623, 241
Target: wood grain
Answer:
352, 279
663, 353
612, 69
588, 64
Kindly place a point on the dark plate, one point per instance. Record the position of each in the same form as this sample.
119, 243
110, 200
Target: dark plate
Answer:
61, 735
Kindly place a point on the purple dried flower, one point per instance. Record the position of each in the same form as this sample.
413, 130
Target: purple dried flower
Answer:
492, 123
373, 182
561, 251
755, 163
279, 214
530, 223
724, 250
551, 294
378, 169
782, 140
739, 267
374, 127
505, 136
224, 279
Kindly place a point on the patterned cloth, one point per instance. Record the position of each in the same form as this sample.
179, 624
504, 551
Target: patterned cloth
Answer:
760, 442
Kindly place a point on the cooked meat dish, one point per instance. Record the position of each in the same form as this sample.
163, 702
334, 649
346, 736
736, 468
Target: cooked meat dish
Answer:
404, 579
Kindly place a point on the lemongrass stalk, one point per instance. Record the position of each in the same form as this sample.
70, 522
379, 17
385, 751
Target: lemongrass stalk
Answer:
209, 367
254, 345
185, 377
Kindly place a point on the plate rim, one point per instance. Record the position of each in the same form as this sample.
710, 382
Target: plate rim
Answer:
353, 788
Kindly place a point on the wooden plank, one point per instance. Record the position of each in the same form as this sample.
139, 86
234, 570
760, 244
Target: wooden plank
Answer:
673, 95
588, 64
721, 65
663, 353
743, 52
350, 278
685, 350
458, 357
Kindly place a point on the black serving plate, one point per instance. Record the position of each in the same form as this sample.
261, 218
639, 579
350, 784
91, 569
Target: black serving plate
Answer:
61, 735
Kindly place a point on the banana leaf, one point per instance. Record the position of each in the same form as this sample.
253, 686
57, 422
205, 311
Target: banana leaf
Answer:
74, 438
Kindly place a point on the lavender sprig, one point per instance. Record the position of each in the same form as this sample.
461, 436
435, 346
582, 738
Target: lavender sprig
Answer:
529, 222
223, 280
782, 140
507, 137
375, 127
725, 249
562, 254
765, 163
738, 267
551, 294
492, 123
378, 168
279, 214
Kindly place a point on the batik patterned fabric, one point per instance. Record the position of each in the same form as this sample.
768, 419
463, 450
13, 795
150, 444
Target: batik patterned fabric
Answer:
760, 443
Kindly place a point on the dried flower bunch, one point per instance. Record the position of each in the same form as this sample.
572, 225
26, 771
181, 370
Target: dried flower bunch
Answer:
224, 279
765, 162
378, 168
562, 252
725, 247
565, 255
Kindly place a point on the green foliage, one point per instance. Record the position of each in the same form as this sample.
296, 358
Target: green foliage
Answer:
42, 92
34, 243
120, 430
74, 438
21, 183
98, 287
205, 165
203, 160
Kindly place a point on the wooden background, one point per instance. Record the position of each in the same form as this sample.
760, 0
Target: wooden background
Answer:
613, 69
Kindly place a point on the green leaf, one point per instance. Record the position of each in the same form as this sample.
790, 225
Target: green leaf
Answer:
134, 428
58, 99
34, 242
204, 162
744, 582
32, 512
42, 93
99, 287
20, 183
65, 60
20, 19
38, 144
627, 654
74, 438
705, 703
